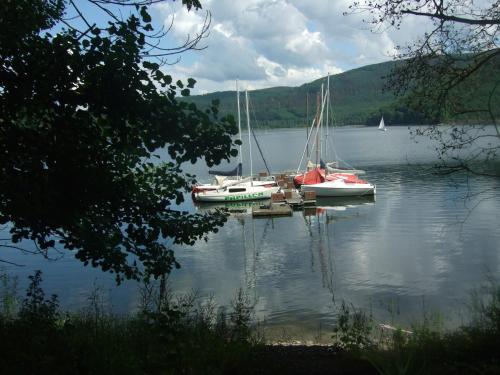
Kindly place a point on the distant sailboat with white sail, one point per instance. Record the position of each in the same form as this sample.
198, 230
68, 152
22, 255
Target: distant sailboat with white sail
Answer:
381, 126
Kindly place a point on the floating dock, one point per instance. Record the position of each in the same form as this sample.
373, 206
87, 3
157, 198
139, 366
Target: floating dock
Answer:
272, 209
284, 202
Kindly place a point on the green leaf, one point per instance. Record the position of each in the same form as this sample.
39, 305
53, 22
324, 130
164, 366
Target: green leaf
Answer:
110, 200
145, 15
149, 65
191, 83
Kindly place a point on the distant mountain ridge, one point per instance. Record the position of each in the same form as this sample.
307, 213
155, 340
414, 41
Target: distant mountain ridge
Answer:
358, 98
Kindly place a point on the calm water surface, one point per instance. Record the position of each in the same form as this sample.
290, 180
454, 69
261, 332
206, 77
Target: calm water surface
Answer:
419, 246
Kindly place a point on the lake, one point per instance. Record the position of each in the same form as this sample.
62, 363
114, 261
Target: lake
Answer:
420, 246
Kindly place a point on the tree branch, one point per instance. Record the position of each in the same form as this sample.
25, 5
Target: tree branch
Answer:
445, 17
12, 263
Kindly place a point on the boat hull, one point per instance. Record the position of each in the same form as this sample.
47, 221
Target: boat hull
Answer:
254, 193
199, 188
339, 189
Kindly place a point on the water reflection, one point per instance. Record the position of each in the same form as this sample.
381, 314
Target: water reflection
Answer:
418, 242
288, 263
407, 246
234, 208
318, 224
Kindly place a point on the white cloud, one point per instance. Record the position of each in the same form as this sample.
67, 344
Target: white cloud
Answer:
227, 58
185, 22
307, 43
265, 43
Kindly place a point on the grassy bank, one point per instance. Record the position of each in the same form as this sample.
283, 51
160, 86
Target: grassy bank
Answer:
167, 336
172, 335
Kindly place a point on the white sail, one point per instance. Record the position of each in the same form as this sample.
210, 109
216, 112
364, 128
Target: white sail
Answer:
381, 126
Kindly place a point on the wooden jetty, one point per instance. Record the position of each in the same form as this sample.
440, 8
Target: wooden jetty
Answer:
297, 200
272, 209
284, 202
309, 198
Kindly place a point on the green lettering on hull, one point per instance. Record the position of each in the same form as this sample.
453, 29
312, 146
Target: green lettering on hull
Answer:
242, 197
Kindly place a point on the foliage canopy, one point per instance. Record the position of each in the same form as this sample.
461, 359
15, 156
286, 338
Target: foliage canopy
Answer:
452, 71
82, 115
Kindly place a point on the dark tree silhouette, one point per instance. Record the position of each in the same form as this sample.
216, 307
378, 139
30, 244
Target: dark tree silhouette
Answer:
448, 72
84, 109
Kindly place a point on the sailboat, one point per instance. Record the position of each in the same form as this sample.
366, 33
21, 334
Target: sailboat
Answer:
225, 179
244, 190
340, 185
381, 126
323, 183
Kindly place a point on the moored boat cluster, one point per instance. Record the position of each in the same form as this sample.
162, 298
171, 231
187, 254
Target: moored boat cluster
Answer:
319, 178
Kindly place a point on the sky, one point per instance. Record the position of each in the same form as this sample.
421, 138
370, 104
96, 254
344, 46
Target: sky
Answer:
268, 43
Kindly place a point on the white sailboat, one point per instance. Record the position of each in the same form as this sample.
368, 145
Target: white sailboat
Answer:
341, 187
245, 190
225, 178
330, 182
329, 166
381, 126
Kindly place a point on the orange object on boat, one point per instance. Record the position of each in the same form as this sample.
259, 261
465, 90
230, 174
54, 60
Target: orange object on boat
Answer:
315, 176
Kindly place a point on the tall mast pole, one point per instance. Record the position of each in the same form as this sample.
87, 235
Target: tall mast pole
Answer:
307, 124
239, 119
318, 127
249, 138
327, 107
321, 140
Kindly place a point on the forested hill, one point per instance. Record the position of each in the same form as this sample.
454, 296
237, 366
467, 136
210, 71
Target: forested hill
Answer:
357, 98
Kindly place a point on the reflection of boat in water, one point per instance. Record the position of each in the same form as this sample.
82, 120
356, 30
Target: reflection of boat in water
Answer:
339, 208
342, 203
236, 207
322, 204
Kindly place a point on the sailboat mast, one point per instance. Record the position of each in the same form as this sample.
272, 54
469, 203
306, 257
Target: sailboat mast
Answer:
307, 126
239, 119
327, 107
321, 128
249, 138
318, 125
